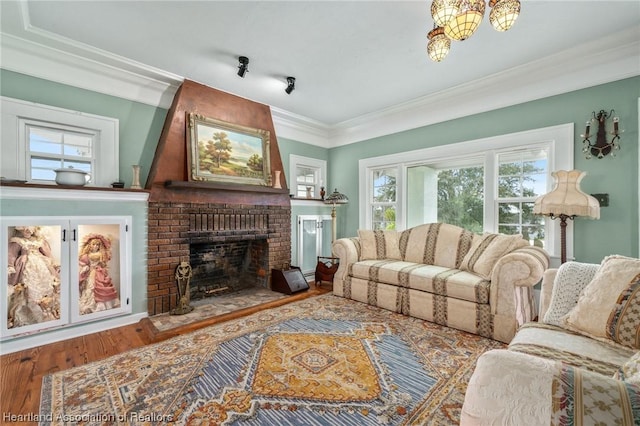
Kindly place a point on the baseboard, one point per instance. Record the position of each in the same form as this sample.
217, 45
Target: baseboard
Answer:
37, 339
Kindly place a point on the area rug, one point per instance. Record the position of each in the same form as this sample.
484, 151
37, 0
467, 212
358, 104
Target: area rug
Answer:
320, 361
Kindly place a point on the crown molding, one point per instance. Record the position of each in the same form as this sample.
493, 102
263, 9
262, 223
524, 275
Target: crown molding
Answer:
601, 61
45, 55
300, 128
121, 79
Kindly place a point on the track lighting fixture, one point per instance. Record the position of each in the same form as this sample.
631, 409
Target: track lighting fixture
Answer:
291, 84
244, 66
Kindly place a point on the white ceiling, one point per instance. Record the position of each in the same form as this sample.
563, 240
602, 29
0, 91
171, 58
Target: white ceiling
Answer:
351, 59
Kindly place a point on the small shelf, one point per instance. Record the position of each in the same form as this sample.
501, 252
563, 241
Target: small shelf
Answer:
180, 184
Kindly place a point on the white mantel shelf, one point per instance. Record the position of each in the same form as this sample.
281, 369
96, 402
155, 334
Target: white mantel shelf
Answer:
56, 192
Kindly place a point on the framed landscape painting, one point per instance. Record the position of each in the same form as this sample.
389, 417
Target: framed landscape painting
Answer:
226, 152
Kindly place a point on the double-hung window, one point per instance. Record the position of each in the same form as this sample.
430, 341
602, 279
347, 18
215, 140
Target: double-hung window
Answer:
487, 185
308, 176
52, 147
383, 200
37, 139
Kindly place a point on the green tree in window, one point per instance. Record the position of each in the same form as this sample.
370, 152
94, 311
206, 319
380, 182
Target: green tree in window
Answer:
461, 197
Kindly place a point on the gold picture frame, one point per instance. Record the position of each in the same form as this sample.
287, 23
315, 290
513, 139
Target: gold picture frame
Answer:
227, 152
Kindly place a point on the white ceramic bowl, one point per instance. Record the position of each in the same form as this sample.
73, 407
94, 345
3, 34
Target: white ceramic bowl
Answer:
71, 176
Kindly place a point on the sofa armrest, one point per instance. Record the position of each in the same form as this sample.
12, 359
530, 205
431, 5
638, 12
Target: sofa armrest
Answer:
348, 252
508, 387
523, 267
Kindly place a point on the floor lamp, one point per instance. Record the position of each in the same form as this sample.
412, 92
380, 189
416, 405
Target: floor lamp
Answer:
335, 198
566, 201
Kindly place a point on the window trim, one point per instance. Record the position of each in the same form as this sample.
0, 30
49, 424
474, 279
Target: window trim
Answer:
559, 140
16, 114
296, 161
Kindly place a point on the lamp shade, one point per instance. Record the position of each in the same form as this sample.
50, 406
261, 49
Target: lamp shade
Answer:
336, 198
503, 13
439, 44
567, 198
463, 25
443, 10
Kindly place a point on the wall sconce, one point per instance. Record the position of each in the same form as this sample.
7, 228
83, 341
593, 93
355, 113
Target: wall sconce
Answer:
244, 66
291, 85
601, 147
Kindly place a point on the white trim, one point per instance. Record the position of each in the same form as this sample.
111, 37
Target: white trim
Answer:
122, 79
560, 140
64, 333
53, 193
600, 61
18, 114
296, 161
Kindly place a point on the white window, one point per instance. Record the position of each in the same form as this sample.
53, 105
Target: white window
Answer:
384, 187
308, 176
37, 139
486, 185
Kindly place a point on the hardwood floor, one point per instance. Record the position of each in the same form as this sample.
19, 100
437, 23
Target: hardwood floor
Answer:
21, 372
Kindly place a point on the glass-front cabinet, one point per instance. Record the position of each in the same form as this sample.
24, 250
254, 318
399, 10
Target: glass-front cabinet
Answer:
314, 239
63, 271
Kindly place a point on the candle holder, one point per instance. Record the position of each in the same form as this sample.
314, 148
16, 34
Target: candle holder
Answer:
601, 147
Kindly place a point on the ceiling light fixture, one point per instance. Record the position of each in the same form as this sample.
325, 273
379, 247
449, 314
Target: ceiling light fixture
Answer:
291, 85
459, 20
243, 68
439, 44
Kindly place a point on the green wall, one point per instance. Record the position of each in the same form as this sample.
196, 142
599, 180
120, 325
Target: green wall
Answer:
288, 147
617, 230
140, 124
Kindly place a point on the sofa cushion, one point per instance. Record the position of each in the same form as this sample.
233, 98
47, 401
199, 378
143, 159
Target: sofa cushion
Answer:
571, 279
609, 306
487, 250
439, 244
429, 278
379, 244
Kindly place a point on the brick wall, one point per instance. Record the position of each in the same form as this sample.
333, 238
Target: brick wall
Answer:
172, 226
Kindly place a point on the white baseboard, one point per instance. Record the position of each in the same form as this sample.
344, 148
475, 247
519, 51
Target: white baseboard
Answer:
37, 339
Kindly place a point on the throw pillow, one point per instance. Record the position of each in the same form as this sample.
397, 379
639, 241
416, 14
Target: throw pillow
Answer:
487, 250
630, 370
571, 279
609, 306
377, 245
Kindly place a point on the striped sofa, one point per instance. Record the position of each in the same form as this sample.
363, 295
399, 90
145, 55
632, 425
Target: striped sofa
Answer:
445, 274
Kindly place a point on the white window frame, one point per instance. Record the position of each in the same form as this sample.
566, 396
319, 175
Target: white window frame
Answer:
298, 161
18, 114
557, 139
395, 204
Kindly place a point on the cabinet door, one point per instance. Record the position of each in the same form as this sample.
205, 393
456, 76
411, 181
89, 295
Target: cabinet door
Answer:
314, 239
100, 261
33, 294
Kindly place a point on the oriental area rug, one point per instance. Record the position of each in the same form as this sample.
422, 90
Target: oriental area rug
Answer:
320, 361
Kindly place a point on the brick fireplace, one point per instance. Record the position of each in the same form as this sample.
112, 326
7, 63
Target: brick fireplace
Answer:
231, 234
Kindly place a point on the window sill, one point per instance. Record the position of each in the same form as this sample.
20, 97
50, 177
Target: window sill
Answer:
60, 192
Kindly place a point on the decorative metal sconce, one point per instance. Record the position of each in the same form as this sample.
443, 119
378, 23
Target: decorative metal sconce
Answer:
601, 147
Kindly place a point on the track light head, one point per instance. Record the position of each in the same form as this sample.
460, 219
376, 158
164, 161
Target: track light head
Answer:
243, 68
291, 84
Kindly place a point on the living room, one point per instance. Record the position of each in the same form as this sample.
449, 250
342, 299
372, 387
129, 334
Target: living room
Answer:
561, 88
